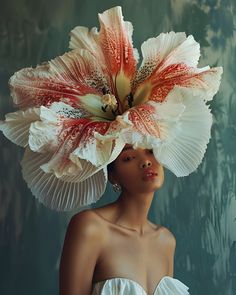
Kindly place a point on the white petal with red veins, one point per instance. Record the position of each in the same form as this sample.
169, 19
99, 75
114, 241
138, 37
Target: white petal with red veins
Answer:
158, 123
169, 60
115, 39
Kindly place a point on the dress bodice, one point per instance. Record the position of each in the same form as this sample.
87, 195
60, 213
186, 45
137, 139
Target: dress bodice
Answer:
124, 286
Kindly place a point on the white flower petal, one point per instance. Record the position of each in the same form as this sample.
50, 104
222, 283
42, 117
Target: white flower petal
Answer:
43, 137
184, 150
171, 59
17, 124
58, 194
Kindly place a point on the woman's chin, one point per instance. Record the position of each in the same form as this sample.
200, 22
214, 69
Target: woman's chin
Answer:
148, 190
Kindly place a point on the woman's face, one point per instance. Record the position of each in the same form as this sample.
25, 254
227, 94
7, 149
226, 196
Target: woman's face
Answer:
137, 170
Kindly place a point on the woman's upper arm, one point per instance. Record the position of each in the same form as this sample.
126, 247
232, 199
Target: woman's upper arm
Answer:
170, 248
82, 246
169, 245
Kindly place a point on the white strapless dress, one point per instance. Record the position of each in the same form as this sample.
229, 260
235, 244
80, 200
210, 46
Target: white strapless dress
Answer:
123, 286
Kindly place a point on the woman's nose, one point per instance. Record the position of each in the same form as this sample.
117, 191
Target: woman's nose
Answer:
146, 163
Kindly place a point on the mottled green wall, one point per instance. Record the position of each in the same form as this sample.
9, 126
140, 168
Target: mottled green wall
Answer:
200, 209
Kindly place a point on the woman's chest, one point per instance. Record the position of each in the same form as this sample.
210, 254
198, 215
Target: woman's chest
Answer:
131, 257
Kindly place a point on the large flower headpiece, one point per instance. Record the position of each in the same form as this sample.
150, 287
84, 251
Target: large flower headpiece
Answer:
77, 111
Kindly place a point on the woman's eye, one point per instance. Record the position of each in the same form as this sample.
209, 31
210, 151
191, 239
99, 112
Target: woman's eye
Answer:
151, 151
128, 158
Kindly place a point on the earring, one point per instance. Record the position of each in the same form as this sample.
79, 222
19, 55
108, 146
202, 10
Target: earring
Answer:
116, 187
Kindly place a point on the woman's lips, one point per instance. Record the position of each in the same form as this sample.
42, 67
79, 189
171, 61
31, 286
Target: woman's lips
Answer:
149, 175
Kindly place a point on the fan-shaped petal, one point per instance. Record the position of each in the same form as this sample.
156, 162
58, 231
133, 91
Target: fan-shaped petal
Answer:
17, 124
184, 149
56, 193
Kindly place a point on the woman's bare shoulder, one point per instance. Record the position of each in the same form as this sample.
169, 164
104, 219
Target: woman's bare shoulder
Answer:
167, 237
86, 222
84, 216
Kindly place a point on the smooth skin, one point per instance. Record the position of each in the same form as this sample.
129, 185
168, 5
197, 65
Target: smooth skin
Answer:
117, 240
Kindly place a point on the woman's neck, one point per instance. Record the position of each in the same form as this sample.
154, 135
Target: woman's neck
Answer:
132, 211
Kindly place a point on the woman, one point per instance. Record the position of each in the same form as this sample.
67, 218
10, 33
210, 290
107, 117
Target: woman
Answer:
86, 109
117, 240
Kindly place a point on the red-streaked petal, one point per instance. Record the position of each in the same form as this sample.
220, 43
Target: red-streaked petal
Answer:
44, 134
170, 60
103, 147
61, 131
59, 194
33, 87
145, 130
82, 70
79, 134
17, 124
115, 39
66, 78
160, 52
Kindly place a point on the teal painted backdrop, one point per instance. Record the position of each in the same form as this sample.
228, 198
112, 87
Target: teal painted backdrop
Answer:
200, 209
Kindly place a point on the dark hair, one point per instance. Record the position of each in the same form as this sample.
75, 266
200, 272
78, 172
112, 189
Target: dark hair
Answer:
111, 167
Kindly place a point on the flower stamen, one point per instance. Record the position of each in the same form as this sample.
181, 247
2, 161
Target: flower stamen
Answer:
130, 99
109, 101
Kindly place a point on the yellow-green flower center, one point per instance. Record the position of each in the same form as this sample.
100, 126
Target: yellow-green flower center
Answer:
109, 100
